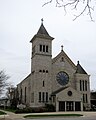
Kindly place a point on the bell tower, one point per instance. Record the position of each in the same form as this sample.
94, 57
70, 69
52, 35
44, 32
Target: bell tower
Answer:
41, 48
41, 64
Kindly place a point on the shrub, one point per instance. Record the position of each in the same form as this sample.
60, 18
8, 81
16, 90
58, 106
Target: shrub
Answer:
47, 108
25, 110
31, 110
50, 108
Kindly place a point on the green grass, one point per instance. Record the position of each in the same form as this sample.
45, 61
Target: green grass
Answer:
52, 115
2, 113
9, 109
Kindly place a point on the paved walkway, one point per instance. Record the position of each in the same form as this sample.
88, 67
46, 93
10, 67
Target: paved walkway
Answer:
13, 116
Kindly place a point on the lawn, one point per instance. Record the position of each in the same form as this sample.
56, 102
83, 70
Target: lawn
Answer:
9, 109
2, 113
52, 115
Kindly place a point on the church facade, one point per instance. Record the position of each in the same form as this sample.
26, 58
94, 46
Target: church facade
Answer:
56, 81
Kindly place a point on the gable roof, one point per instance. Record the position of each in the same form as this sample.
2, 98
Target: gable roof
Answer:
26, 78
59, 90
62, 53
42, 33
80, 69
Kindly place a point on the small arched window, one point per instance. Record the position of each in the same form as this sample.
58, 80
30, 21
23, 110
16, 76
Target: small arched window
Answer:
46, 71
43, 71
62, 59
43, 83
40, 70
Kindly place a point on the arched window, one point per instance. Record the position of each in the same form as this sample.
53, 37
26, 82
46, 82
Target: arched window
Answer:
21, 95
46, 48
62, 59
40, 70
40, 48
85, 85
39, 96
43, 71
80, 85
46, 71
25, 94
43, 83
43, 48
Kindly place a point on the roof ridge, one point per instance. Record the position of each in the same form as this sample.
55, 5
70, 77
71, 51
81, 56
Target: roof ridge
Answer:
66, 57
59, 90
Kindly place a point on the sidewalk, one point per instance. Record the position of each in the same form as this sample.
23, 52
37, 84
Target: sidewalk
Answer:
13, 116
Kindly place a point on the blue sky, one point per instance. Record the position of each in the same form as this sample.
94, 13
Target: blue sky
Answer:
21, 19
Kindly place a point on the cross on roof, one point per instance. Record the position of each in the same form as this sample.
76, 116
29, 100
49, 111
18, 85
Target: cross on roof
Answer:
62, 47
42, 20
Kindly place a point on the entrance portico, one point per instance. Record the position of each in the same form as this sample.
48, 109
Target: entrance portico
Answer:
68, 99
69, 106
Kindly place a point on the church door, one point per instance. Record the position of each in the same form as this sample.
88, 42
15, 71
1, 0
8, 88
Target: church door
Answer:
61, 106
69, 106
77, 106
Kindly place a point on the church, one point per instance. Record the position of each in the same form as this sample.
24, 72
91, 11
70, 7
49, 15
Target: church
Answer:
57, 81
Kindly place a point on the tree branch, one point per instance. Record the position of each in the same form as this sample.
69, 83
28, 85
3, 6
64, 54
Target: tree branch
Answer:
66, 3
85, 8
47, 3
3, 82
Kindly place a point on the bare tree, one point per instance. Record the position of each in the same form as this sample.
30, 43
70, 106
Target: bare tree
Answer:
3, 81
12, 96
84, 5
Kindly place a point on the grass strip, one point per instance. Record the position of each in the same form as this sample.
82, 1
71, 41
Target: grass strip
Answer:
2, 113
53, 115
9, 110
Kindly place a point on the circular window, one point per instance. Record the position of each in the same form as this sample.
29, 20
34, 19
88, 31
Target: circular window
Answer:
70, 93
62, 78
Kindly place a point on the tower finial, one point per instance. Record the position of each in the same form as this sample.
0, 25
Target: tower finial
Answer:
77, 62
42, 21
62, 47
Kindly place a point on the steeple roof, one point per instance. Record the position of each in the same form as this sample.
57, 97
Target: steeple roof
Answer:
42, 30
80, 69
42, 33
